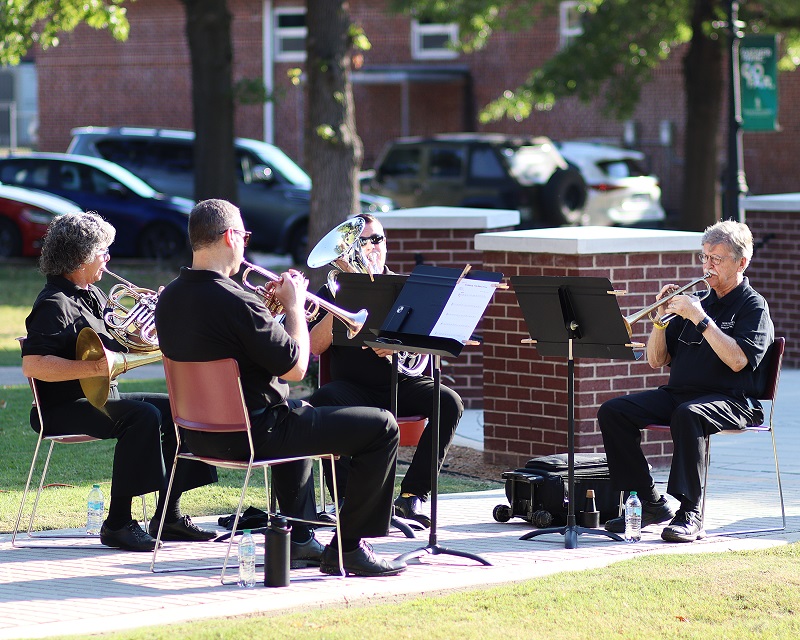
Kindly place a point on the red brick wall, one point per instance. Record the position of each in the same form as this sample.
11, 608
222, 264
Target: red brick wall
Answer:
525, 394
775, 273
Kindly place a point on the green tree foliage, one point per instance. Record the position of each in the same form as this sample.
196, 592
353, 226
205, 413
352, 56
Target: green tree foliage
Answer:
622, 43
26, 23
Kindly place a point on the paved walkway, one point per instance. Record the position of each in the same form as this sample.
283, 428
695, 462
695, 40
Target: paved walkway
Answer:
80, 588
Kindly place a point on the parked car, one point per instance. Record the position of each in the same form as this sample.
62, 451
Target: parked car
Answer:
24, 217
274, 192
148, 223
491, 171
620, 191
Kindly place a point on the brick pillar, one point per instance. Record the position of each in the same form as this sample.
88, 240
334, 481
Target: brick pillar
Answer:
525, 394
775, 270
445, 237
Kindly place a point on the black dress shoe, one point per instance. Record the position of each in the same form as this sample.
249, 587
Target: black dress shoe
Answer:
182, 530
408, 509
359, 562
306, 554
131, 537
652, 513
686, 526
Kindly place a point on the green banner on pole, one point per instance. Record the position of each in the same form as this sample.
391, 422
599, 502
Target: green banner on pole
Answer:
758, 79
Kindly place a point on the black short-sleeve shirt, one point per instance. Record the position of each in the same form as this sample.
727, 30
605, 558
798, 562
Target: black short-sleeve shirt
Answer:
742, 314
203, 315
59, 313
355, 364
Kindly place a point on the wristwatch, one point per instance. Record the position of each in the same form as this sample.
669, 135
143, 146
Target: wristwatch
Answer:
703, 324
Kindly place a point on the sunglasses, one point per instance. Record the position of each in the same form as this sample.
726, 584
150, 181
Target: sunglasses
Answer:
245, 234
375, 238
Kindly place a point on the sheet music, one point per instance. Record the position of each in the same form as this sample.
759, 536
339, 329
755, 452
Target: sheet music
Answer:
464, 309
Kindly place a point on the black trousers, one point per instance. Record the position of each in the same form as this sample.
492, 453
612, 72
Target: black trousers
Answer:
414, 397
690, 415
142, 425
368, 436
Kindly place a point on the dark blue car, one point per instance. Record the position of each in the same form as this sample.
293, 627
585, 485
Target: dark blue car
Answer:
149, 224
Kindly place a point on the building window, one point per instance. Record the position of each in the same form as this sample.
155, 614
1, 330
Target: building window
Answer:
290, 34
432, 41
569, 23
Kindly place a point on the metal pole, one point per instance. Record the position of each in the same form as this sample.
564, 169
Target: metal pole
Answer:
735, 180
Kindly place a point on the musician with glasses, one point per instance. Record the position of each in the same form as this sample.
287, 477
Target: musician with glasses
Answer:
204, 315
713, 348
74, 255
362, 376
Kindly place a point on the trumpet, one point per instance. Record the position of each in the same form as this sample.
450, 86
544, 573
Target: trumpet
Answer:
353, 321
649, 310
135, 327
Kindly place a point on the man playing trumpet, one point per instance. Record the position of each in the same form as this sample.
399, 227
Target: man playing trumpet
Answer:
204, 315
74, 255
713, 348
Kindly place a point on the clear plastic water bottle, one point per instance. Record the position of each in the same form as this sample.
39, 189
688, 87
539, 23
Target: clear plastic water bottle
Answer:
247, 560
94, 511
633, 518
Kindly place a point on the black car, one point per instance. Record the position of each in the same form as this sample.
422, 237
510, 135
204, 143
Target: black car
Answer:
490, 171
274, 192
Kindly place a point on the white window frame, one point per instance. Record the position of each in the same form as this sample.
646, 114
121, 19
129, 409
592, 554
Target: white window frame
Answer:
569, 25
419, 31
281, 33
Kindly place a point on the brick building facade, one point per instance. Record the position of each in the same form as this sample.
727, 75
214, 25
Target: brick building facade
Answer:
89, 79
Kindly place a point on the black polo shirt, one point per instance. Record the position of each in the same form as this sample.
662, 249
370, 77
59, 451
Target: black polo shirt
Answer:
61, 310
742, 314
203, 315
355, 364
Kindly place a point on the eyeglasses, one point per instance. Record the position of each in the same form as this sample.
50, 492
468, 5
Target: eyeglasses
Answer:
245, 234
105, 254
715, 260
375, 238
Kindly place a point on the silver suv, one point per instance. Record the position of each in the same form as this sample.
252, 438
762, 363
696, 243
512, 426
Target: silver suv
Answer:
274, 192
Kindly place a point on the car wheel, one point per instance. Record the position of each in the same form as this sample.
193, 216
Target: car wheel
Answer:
10, 239
298, 244
564, 197
161, 241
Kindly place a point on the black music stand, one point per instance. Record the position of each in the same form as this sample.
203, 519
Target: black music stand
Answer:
431, 296
377, 296
573, 317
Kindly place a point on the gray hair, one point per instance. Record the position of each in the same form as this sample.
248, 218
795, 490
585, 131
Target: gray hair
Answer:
734, 235
73, 240
209, 219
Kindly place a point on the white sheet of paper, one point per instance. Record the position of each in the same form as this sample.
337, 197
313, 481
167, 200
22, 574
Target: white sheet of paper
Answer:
464, 309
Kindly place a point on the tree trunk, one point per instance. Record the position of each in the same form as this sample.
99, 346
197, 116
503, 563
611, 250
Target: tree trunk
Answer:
208, 29
704, 81
333, 150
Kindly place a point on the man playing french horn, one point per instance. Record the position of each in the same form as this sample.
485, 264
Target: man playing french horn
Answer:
362, 376
74, 256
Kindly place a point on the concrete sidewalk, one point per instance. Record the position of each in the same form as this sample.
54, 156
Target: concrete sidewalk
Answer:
80, 588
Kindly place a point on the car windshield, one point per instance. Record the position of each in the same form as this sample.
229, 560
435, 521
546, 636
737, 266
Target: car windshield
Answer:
128, 179
528, 164
278, 161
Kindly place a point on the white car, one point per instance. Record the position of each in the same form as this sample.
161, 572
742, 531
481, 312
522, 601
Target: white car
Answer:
620, 192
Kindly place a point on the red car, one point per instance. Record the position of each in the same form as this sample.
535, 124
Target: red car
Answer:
24, 216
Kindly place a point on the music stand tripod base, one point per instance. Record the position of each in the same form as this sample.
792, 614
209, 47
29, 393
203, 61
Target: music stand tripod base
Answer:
571, 533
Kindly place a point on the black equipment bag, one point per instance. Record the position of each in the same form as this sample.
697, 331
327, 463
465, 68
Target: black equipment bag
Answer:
539, 492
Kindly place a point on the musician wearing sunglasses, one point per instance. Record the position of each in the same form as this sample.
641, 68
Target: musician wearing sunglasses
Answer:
204, 315
362, 377
713, 348
74, 255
